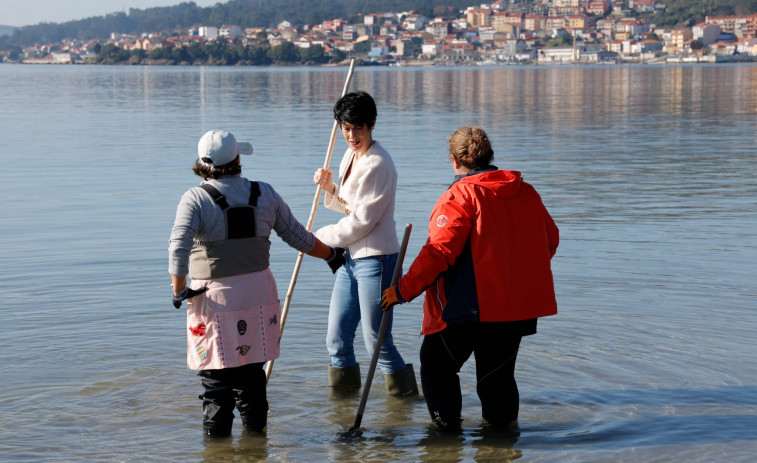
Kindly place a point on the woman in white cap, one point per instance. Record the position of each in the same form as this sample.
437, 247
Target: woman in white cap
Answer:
220, 238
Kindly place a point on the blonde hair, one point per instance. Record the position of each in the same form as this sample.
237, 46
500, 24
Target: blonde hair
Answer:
471, 147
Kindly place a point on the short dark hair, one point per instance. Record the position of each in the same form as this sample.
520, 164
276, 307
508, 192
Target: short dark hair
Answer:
207, 172
356, 108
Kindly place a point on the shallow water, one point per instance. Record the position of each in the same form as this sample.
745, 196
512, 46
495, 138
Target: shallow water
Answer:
650, 173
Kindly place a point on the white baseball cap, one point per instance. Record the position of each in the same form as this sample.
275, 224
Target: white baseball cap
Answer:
221, 147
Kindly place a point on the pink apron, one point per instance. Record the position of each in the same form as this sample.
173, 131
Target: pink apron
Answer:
235, 322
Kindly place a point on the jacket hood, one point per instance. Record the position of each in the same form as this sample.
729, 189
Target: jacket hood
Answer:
503, 183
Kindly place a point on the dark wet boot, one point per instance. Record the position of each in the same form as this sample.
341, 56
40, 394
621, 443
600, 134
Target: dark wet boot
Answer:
218, 415
251, 399
256, 424
254, 418
447, 421
216, 431
402, 383
345, 378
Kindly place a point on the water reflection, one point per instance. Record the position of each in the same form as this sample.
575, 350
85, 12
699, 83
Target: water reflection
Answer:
496, 445
248, 447
444, 447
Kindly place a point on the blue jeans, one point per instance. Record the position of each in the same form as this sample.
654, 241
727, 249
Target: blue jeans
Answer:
357, 295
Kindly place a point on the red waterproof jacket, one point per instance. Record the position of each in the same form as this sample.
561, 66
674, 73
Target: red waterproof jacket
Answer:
487, 256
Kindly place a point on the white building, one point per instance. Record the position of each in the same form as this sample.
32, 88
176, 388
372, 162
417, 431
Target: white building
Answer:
431, 49
415, 22
230, 31
61, 58
706, 33
209, 33
557, 55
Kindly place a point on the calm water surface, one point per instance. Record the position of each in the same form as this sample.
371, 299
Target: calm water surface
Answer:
650, 173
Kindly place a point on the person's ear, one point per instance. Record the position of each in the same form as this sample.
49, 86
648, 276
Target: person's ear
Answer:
455, 163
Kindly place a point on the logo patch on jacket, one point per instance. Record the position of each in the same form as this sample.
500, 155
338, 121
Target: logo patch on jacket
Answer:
242, 327
441, 221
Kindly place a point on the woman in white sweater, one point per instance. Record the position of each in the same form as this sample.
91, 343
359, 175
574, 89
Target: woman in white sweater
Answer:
364, 193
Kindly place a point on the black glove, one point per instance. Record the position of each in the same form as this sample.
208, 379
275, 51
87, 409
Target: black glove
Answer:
336, 259
187, 294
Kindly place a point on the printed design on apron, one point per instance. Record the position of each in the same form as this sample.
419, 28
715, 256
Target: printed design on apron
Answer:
199, 330
243, 349
234, 338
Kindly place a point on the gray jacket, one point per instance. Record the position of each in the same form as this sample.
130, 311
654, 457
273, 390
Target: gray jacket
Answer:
199, 218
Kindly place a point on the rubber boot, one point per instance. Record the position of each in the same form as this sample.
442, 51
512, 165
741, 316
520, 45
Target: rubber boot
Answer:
345, 378
212, 431
448, 421
402, 383
256, 423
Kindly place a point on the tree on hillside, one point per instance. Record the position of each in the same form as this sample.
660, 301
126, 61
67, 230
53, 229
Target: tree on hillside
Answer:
689, 12
284, 53
111, 54
314, 54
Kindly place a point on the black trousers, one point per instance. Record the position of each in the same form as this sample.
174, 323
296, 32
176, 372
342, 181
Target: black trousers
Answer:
495, 346
241, 387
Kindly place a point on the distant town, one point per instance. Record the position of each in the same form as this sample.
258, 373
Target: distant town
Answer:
502, 32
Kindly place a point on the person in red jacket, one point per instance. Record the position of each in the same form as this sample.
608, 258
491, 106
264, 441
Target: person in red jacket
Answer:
486, 272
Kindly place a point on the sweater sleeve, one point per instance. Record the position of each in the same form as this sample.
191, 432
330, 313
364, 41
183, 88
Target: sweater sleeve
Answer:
288, 228
448, 231
375, 192
332, 201
185, 227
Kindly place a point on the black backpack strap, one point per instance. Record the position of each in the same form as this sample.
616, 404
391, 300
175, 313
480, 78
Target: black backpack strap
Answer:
217, 196
254, 193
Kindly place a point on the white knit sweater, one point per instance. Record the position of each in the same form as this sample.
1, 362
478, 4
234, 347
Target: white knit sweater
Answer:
367, 200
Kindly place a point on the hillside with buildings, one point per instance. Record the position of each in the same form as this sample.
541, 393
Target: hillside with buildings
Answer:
502, 32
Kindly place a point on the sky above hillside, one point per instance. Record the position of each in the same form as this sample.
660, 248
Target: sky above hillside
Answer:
28, 12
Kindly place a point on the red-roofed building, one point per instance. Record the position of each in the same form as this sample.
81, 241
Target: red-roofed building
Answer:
501, 20
724, 48
533, 22
458, 51
335, 25
740, 26
642, 6
598, 7
478, 17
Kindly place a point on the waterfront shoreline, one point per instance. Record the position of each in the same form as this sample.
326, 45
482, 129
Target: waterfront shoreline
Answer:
710, 59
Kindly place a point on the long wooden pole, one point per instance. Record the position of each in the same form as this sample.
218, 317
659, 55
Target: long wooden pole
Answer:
309, 226
381, 333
